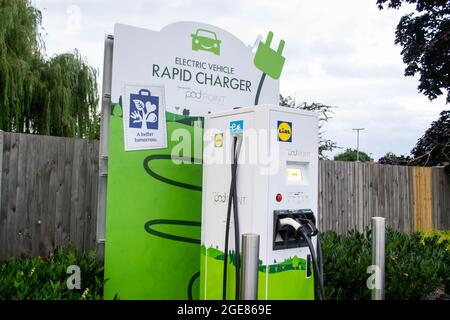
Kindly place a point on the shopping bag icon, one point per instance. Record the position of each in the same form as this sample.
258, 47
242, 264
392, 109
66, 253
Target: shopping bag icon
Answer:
143, 109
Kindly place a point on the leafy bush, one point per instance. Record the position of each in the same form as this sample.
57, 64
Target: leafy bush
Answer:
443, 236
45, 279
415, 264
345, 261
352, 155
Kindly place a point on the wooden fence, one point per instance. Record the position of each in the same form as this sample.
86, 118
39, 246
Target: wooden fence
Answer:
48, 195
410, 198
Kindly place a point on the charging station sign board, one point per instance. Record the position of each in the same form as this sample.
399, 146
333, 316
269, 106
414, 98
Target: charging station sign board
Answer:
201, 68
163, 83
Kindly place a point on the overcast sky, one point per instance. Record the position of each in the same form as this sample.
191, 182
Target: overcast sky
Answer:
339, 53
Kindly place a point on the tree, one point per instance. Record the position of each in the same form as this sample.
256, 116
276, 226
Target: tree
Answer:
425, 38
393, 159
350, 155
324, 112
433, 148
56, 96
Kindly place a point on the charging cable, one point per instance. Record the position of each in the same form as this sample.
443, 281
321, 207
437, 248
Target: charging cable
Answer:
233, 203
306, 229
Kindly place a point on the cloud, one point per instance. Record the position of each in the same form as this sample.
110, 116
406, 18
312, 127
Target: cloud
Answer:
348, 69
338, 53
390, 124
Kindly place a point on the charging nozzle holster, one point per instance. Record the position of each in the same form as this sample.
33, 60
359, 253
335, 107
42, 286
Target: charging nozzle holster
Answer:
287, 224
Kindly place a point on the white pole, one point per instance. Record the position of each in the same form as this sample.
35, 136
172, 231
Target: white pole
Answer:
357, 145
357, 141
250, 260
103, 145
378, 256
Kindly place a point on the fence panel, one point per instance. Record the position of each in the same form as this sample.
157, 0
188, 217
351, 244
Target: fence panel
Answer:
441, 199
48, 193
410, 198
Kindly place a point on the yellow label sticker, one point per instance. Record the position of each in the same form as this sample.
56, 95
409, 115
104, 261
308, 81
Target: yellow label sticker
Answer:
218, 140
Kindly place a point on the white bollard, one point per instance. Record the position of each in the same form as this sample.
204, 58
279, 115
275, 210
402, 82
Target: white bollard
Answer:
250, 260
378, 256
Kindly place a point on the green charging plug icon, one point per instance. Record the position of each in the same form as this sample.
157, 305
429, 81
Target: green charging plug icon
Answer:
269, 61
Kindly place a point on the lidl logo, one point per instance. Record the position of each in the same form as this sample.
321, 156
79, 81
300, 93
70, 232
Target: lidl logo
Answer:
284, 131
218, 140
237, 127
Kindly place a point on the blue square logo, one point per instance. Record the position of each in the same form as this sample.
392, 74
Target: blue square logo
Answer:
237, 127
143, 110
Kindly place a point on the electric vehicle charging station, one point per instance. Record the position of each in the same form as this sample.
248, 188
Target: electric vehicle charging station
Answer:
151, 182
158, 85
260, 175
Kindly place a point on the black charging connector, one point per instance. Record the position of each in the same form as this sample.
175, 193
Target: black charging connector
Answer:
285, 236
296, 228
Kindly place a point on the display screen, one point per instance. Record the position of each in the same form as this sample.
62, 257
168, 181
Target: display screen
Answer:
297, 172
294, 174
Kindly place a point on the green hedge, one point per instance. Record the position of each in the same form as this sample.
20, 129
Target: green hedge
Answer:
416, 264
45, 279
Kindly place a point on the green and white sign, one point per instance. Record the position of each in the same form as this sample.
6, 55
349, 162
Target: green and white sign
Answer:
202, 68
163, 83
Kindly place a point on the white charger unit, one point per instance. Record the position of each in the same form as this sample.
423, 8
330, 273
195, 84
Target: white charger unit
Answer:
277, 177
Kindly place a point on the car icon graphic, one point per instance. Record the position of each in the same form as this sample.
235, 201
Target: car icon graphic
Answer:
206, 40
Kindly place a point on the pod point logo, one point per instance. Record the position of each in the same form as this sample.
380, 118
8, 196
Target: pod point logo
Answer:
284, 131
143, 109
219, 197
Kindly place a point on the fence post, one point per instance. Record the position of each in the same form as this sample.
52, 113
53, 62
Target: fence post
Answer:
250, 260
378, 255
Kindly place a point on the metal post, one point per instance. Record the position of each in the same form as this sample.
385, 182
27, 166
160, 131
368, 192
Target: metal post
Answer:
357, 141
378, 246
103, 146
357, 146
250, 260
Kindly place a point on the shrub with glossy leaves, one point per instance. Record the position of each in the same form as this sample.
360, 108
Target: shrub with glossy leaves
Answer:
415, 264
45, 278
